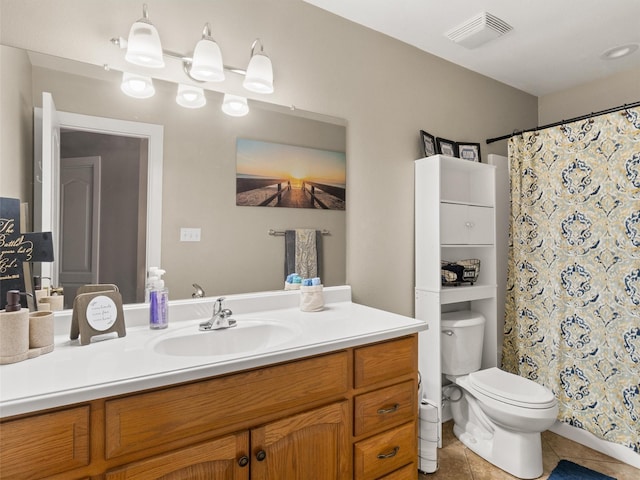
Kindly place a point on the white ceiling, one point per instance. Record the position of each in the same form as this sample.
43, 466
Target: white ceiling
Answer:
554, 44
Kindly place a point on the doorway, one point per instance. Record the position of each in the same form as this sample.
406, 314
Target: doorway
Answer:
114, 254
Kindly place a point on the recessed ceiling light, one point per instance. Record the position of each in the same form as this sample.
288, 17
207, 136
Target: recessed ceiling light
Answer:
619, 52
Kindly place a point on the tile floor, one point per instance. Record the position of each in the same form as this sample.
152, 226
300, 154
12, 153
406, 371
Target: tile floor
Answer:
457, 462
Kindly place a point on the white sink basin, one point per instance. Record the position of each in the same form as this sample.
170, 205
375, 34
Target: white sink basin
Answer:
247, 336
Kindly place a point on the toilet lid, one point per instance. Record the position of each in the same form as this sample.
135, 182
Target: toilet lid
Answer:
512, 389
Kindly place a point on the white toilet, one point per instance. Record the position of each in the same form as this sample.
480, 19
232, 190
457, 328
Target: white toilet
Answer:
499, 415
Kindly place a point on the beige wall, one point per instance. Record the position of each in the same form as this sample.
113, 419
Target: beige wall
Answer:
386, 90
16, 125
590, 97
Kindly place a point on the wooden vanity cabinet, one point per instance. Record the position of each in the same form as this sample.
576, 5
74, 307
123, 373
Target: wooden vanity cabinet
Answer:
350, 414
311, 444
385, 410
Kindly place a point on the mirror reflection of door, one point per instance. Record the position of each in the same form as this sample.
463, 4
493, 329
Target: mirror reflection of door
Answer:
79, 223
102, 226
130, 220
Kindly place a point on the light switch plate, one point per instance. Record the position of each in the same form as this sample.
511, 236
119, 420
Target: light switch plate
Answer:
189, 234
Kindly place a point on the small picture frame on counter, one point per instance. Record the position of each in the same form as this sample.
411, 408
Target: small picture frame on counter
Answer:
428, 144
447, 147
97, 311
469, 151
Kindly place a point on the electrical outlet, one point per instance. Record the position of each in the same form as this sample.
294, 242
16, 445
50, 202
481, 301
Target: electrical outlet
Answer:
189, 234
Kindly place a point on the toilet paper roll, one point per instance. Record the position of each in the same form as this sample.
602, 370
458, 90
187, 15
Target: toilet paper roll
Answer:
56, 302
40, 329
429, 431
428, 411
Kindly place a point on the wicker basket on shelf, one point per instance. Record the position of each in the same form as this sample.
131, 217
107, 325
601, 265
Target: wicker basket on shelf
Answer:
458, 272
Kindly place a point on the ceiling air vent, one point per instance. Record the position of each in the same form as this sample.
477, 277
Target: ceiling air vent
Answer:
478, 30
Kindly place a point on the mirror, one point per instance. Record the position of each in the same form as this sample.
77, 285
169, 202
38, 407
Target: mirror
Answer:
236, 254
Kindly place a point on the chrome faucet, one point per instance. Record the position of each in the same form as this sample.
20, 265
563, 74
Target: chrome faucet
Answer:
220, 318
199, 293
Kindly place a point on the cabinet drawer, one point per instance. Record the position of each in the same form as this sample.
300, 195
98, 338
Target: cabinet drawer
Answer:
386, 452
156, 418
410, 472
46, 444
466, 225
385, 361
384, 408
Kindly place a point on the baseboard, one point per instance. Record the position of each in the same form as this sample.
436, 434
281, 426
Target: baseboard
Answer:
619, 452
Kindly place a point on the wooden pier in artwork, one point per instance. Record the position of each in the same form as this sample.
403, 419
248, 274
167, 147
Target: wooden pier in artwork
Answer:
286, 195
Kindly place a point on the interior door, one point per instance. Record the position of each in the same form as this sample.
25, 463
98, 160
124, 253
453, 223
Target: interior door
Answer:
79, 223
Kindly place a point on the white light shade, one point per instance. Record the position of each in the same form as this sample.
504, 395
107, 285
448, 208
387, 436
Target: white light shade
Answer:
207, 65
137, 86
190, 97
143, 46
235, 105
259, 76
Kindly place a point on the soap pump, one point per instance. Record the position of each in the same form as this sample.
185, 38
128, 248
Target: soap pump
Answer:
158, 301
152, 276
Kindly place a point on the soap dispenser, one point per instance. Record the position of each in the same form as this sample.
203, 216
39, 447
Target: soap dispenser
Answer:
14, 330
158, 302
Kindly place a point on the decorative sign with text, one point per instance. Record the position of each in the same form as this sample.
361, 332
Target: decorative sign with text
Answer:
97, 310
17, 248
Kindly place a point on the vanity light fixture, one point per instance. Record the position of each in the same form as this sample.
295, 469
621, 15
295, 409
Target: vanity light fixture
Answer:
206, 65
143, 48
137, 86
190, 97
235, 105
259, 75
143, 45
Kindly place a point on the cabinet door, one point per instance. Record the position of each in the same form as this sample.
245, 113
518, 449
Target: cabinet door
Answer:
466, 225
310, 445
221, 459
46, 444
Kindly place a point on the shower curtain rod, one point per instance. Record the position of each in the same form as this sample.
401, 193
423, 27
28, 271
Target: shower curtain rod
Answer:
576, 119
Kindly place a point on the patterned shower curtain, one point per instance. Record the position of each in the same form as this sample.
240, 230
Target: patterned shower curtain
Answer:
572, 320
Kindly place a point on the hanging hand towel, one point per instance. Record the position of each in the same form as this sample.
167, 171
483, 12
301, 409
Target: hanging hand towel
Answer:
303, 252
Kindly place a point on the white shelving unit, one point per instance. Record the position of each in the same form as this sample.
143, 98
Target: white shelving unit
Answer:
454, 220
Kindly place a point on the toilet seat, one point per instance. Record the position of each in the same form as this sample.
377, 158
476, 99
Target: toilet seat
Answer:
511, 389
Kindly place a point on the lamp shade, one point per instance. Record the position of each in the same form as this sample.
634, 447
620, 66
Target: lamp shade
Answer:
235, 105
190, 97
207, 65
259, 77
137, 86
143, 45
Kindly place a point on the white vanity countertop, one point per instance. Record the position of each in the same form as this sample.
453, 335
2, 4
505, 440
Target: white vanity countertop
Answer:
73, 373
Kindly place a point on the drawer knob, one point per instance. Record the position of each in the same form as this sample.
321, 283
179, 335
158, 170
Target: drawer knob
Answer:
384, 411
261, 455
391, 454
243, 461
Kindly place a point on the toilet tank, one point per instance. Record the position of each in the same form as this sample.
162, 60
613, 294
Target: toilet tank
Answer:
461, 340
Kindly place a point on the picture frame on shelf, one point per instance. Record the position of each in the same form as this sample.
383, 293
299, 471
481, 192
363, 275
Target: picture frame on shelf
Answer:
428, 143
447, 147
469, 151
